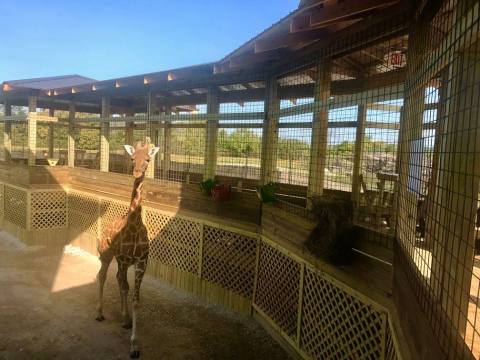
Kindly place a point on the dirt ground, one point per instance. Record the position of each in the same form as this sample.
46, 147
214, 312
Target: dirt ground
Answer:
47, 311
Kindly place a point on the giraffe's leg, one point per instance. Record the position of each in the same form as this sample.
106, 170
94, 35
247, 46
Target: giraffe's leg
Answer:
101, 277
140, 268
123, 286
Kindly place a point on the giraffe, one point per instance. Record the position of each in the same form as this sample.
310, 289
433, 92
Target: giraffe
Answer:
126, 239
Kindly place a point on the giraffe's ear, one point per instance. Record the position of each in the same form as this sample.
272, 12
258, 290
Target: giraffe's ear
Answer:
129, 149
153, 151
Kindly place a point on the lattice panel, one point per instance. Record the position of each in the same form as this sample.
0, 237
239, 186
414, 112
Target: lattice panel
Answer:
278, 287
335, 325
16, 206
2, 200
49, 209
83, 213
174, 241
390, 351
229, 260
111, 211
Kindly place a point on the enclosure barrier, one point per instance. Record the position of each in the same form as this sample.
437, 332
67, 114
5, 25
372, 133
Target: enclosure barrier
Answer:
241, 269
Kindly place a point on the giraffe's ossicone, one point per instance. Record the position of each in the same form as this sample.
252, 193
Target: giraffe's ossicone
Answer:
126, 239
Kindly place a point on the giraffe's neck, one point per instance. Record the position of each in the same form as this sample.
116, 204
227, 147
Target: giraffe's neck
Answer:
136, 199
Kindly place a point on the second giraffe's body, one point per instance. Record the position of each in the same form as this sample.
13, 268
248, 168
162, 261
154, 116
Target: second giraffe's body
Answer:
126, 239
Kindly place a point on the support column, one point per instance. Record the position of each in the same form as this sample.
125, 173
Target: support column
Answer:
410, 147
456, 196
129, 126
211, 134
167, 145
51, 113
71, 135
105, 136
151, 129
7, 134
270, 133
357, 161
318, 150
32, 130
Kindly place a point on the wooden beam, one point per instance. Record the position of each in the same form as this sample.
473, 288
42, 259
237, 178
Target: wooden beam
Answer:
32, 130
151, 130
105, 136
270, 133
252, 58
357, 160
318, 150
300, 23
211, 134
282, 41
393, 77
334, 12
71, 135
7, 134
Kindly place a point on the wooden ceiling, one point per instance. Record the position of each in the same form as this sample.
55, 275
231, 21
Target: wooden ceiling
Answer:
311, 22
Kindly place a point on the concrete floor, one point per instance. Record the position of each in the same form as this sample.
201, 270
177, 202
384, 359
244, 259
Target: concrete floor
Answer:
47, 310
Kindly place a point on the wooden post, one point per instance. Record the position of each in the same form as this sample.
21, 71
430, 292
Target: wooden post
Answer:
270, 132
51, 113
433, 183
129, 126
32, 130
456, 195
71, 135
357, 161
318, 151
105, 136
410, 136
211, 133
151, 108
167, 145
7, 134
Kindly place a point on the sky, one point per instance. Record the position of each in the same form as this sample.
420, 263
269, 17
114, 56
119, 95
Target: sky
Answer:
106, 39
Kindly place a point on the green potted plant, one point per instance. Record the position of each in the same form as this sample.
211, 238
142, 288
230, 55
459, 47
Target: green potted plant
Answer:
266, 193
207, 186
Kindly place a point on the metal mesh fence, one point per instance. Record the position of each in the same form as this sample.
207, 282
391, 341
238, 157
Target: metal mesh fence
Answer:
439, 175
351, 117
87, 145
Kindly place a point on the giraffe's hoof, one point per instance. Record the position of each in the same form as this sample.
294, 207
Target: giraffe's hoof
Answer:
135, 354
100, 318
127, 324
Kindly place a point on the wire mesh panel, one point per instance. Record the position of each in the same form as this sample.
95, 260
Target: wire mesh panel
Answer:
119, 159
87, 145
293, 155
173, 241
294, 134
187, 149
336, 325
19, 145
439, 174
239, 140
278, 287
340, 158
229, 260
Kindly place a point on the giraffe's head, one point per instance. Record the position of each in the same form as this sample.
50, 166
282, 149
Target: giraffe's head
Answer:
141, 155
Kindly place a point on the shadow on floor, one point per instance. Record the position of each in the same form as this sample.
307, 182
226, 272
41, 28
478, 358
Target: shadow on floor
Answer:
47, 310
